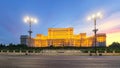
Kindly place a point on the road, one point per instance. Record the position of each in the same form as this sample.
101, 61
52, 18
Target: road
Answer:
30, 61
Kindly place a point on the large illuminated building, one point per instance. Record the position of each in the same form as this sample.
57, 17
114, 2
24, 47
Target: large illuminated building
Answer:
60, 37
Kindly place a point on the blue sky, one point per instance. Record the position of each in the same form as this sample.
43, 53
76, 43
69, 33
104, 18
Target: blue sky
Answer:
55, 13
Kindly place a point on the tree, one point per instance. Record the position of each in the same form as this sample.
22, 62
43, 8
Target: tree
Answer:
2, 45
115, 45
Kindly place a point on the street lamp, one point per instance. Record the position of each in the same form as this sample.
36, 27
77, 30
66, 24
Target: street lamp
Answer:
95, 17
30, 21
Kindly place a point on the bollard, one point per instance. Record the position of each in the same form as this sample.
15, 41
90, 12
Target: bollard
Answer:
97, 52
88, 52
13, 51
20, 51
7, 51
34, 51
1, 51
113, 52
26, 51
105, 52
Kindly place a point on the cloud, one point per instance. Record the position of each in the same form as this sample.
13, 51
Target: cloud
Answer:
110, 24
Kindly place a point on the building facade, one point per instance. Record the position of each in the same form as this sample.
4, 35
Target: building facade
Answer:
24, 39
59, 37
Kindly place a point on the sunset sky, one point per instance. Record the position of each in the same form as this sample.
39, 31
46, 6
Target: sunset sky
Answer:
58, 14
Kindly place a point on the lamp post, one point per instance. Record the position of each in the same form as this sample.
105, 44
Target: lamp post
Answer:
95, 17
30, 21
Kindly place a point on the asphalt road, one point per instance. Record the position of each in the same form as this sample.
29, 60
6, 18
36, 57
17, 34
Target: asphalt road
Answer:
29, 61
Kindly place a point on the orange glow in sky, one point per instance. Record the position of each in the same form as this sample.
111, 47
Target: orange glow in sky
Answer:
113, 37
111, 26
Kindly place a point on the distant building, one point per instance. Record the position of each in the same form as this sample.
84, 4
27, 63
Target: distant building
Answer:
59, 37
101, 39
24, 39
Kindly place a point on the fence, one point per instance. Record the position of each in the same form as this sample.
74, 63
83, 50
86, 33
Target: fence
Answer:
57, 52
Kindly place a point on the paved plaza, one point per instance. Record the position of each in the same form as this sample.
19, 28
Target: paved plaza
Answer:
32, 61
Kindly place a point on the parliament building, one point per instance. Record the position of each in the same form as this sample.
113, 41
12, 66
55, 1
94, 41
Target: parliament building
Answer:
60, 37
